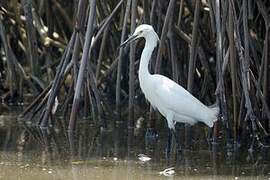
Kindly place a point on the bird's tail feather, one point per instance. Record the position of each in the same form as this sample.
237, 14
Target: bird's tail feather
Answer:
213, 116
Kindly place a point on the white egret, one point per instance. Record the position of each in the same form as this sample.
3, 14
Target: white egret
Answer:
174, 102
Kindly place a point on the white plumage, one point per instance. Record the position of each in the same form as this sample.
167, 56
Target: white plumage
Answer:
174, 102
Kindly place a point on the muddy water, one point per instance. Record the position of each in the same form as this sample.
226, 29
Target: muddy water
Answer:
28, 153
117, 169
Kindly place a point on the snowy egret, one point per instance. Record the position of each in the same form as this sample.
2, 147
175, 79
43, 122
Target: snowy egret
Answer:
174, 102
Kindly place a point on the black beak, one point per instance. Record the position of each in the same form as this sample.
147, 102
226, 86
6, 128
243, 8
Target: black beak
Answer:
130, 39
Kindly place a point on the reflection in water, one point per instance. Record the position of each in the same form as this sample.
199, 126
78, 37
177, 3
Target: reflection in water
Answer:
75, 172
32, 153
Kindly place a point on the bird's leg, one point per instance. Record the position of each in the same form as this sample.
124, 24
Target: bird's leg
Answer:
171, 127
169, 145
177, 143
208, 136
173, 134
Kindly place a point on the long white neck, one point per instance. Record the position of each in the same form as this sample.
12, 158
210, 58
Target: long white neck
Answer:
150, 43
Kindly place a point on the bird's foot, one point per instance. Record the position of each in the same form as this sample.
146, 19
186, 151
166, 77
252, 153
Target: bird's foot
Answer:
169, 150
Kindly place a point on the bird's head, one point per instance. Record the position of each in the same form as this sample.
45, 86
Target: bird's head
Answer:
141, 31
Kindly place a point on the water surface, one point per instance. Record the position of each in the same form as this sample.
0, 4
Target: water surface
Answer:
28, 153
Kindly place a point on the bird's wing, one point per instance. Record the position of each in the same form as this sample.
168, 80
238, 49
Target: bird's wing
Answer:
174, 97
